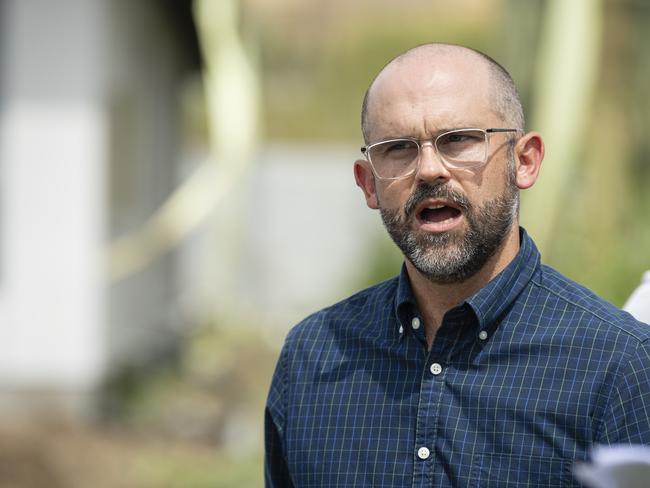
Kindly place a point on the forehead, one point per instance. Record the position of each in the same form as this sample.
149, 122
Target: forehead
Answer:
420, 96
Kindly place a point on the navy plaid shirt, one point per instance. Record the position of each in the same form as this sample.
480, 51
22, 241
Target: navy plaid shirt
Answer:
522, 379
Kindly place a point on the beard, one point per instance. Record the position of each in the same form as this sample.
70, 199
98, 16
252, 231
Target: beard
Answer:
454, 256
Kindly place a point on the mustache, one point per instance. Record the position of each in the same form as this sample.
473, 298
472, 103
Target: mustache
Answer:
425, 190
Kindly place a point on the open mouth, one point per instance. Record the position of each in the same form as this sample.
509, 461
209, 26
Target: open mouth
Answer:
438, 216
438, 213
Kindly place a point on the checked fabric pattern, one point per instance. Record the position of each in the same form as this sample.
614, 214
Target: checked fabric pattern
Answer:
522, 379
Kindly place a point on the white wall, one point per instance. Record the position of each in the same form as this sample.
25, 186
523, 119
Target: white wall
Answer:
89, 141
52, 158
289, 238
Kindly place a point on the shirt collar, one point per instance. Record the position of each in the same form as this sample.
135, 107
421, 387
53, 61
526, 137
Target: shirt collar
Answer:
491, 301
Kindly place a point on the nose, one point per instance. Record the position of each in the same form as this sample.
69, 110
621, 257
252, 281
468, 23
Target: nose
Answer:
430, 166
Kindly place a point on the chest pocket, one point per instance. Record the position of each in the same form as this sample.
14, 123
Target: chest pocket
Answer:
510, 471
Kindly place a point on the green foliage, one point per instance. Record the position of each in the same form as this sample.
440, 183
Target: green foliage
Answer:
178, 468
313, 88
198, 421
382, 262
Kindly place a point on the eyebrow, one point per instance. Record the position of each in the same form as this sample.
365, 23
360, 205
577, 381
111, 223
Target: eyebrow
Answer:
438, 132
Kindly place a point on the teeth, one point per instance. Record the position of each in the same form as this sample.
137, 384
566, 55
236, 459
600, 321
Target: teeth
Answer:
436, 207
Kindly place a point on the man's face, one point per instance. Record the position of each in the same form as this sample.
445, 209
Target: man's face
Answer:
447, 222
455, 255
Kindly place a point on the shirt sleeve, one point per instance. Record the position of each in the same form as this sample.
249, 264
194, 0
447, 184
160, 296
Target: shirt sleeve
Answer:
626, 419
276, 471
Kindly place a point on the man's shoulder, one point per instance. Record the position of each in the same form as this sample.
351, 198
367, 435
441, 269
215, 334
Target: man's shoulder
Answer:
582, 302
357, 308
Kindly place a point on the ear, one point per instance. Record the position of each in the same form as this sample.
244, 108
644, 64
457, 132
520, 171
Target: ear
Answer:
366, 181
529, 153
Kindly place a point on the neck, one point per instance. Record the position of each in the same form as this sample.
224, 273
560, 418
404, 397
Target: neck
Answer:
435, 299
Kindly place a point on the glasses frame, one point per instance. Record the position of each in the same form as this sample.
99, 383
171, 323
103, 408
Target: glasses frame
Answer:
365, 150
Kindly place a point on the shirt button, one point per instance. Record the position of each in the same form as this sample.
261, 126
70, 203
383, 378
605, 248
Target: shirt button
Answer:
401, 329
415, 323
482, 335
435, 369
423, 453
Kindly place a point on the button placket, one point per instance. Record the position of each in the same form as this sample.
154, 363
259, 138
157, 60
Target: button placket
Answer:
433, 389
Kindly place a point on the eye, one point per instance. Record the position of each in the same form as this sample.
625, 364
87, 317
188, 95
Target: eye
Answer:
463, 146
458, 137
393, 158
460, 140
397, 149
397, 146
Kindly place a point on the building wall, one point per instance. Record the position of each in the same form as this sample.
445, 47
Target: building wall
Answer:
148, 71
292, 236
53, 143
89, 142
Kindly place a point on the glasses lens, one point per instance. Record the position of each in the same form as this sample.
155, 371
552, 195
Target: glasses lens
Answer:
463, 148
392, 159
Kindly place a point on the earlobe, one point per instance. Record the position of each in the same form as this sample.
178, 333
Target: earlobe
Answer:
366, 181
529, 153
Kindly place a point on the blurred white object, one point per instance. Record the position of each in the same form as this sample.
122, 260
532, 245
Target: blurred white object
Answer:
616, 467
89, 149
639, 302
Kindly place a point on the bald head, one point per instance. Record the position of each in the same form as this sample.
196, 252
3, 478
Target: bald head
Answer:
438, 59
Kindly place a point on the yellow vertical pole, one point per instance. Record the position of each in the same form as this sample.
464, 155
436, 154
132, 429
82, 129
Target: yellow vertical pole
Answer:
565, 79
233, 99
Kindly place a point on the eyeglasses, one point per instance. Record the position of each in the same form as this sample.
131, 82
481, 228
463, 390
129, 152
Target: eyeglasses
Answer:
458, 149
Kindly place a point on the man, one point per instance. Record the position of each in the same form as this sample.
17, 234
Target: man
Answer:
476, 366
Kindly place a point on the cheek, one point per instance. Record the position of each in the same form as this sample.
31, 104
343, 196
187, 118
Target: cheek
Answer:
490, 185
393, 195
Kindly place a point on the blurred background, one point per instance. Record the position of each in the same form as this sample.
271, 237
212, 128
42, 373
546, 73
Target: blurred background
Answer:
176, 192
